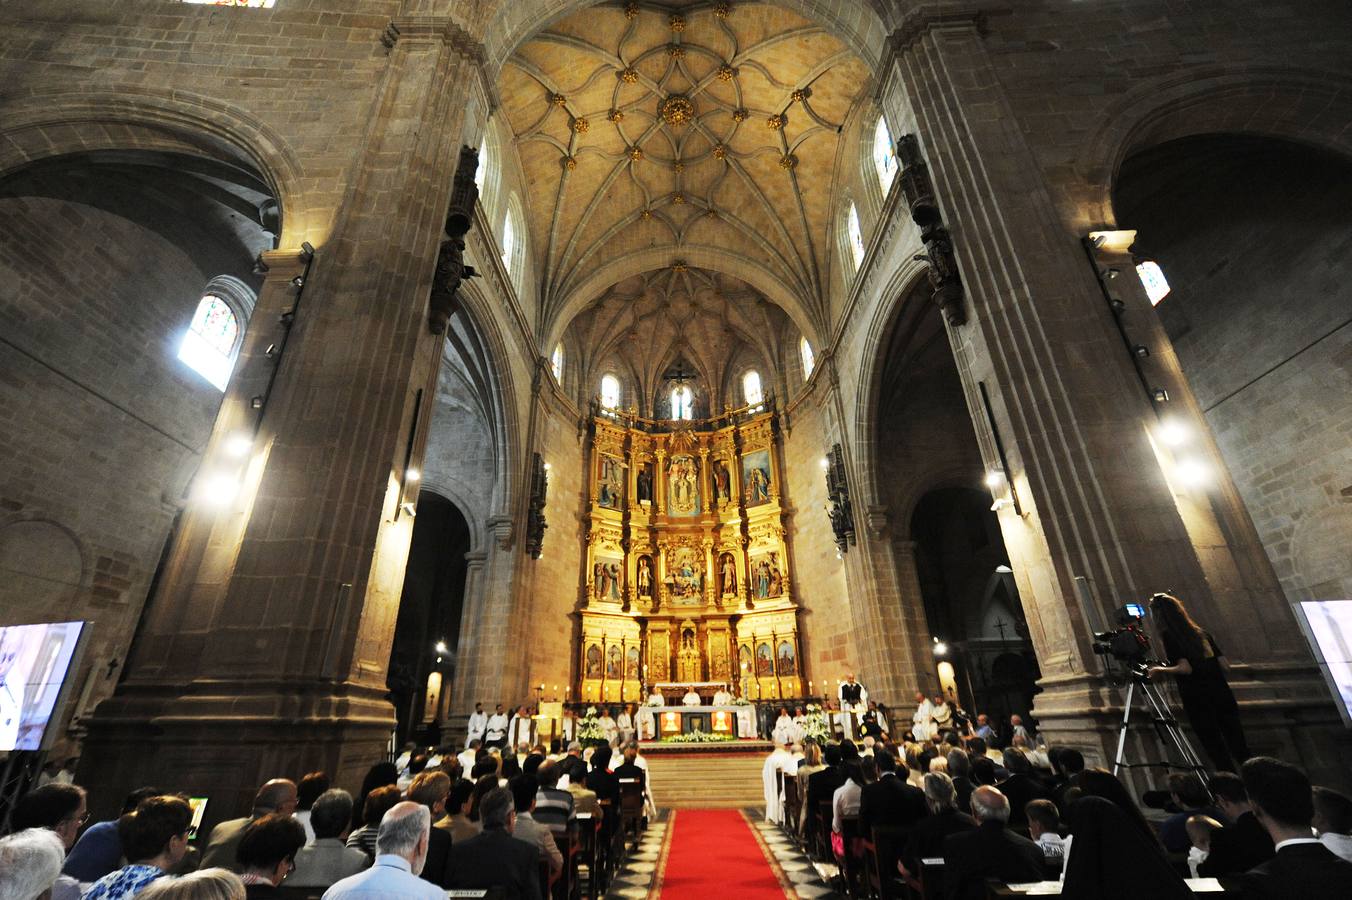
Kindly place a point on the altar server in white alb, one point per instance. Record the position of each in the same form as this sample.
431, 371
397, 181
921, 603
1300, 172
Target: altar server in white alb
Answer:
780, 760
783, 730
495, 731
691, 698
722, 696
655, 697
478, 724
853, 702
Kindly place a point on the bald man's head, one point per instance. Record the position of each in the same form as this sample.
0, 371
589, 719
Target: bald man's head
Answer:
404, 832
278, 795
989, 804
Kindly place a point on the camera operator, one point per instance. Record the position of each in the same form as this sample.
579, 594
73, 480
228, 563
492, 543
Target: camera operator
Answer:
1199, 667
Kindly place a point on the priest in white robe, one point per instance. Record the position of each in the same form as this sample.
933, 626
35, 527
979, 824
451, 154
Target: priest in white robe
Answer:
478, 724
691, 698
645, 723
722, 697
853, 698
922, 720
655, 698
783, 730
781, 760
520, 730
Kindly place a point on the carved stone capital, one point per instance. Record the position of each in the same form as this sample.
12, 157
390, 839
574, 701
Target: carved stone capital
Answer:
500, 530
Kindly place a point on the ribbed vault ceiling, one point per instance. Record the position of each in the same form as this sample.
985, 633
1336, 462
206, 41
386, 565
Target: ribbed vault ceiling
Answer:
709, 130
646, 323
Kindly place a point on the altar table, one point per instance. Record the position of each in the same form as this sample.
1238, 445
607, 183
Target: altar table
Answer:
738, 721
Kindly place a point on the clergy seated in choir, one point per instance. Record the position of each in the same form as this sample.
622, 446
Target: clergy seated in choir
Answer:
691, 698
722, 696
655, 698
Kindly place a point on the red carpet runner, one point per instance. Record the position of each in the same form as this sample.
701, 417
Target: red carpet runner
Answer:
715, 853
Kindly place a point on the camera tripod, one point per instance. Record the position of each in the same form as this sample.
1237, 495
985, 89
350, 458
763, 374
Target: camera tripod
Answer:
1166, 727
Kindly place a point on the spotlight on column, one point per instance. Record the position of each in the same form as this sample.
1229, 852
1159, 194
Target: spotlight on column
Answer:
940, 648
441, 648
220, 489
826, 463
1174, 432
238, 445
995, 479
1193, 473
412, 474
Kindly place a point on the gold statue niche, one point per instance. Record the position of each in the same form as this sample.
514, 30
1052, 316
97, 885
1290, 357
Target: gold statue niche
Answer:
687, 568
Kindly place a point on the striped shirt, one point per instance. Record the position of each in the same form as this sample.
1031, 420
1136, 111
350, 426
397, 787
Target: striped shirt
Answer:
554, 808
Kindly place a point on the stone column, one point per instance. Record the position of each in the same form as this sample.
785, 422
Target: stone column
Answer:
1074, 419
264, 650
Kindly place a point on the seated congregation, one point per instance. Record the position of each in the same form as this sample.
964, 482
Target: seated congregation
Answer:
955, 818
511, 825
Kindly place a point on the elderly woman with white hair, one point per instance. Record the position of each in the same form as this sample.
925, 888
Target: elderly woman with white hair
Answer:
30, 861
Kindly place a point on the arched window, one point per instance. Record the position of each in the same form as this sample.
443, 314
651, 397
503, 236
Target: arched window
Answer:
809, 358
884, 155
610, 392
1152, 276
508, 239
556, 362
856, 235
208, 347
751, 388
481, 173
682, 402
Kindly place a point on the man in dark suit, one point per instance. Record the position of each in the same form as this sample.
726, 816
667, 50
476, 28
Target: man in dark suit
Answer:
496, 859
1242, 843
890, 801
1302, 867
1021, 787
989, 851
630, 769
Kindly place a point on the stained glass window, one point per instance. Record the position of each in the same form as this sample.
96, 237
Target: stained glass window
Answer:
809, 358
261, 4
884, 155
751, 388
208, 346
856, 236
556, 362
1152, 276
682, 402
610, 392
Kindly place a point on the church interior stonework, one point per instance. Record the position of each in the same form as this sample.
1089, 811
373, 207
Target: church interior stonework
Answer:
362, 361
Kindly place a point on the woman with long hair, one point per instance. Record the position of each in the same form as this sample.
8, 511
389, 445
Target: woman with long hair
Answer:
1199, 667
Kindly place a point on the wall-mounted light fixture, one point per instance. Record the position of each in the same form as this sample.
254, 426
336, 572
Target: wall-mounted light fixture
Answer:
997, 478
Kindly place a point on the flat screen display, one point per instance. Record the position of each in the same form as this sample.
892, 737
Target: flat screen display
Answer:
1328, 625
35, 661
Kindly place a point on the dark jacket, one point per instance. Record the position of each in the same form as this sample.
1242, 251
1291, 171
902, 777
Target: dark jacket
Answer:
495, 859
629, 770
1020, 789
606, 785
438, 856
1304, 871
890, 801
989, 851
928, 836
1237, 848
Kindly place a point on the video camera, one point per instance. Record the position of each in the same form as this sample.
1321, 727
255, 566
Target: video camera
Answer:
1128, 643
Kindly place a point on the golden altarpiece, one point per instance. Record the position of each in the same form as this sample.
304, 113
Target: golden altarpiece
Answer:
686, 575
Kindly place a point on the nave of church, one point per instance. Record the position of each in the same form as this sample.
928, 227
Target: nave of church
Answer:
724, 377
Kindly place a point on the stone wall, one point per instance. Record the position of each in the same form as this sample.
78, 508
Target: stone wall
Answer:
102, 425
1260, 313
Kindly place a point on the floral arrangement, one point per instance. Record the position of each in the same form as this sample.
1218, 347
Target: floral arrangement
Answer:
589, 731
741, 701
815, 724
697, 737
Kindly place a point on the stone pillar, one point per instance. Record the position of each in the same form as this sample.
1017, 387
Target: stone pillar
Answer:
1074, 420
264, 650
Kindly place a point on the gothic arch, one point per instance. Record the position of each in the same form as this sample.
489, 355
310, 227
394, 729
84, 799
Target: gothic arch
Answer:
42, 125
901, 287
1303, 106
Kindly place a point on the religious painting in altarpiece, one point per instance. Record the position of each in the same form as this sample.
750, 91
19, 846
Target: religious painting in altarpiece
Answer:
687, 571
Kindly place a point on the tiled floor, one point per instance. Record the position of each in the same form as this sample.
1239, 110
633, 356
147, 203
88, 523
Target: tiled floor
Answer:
810, 880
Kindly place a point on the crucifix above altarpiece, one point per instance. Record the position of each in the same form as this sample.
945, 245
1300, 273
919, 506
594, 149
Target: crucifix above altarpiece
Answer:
687, 571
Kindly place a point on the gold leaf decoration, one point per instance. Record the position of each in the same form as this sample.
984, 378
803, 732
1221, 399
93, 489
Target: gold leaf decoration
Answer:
800, 95
720, 152
675, 51
722, 8
635, 153
775, 122
678, 166
678, 198
645, 214
569, 163
558, 99
677, 22
580, 125
726, 72
788, 162
676, 110
630, 10
739, 115
615, 115
629, 76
